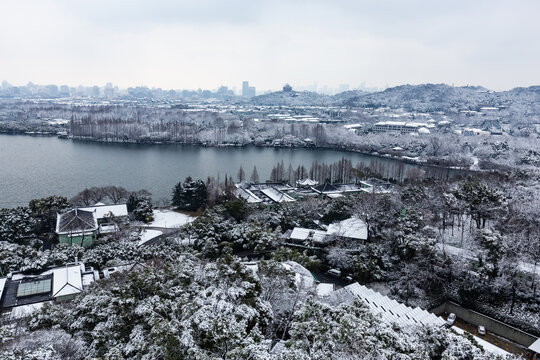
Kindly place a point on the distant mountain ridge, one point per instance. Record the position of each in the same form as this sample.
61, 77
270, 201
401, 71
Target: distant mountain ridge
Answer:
424, 97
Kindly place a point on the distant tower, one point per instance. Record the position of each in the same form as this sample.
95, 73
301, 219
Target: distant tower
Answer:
247, 91
287, 88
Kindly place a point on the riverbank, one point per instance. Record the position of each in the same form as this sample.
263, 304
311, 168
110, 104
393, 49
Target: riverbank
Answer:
427, 162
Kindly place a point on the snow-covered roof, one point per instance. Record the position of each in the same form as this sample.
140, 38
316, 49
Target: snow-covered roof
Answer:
352, 228
250, 197
76, 221
2, 285
306, 182
390, 310
276, 195
324, 289
535, 346
67, 280
299, 233
325, 188
108, 228
476, 131
104, 210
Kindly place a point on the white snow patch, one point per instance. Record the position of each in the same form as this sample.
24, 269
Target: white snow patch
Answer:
169, 219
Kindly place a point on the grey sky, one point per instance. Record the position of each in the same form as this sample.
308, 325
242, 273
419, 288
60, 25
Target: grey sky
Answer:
206, 43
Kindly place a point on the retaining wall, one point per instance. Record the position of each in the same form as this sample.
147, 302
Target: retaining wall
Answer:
491, 325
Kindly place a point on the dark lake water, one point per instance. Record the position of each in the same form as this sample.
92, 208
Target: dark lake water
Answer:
34, 167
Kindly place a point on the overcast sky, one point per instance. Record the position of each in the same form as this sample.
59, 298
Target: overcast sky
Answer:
207, 43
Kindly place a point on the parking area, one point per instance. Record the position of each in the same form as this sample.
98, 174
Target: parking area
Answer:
492, 338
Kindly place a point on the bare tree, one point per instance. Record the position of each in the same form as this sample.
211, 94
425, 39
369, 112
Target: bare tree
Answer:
116, 194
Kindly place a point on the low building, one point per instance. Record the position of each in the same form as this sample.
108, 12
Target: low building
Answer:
21, 294
247, 195
105, 212
306, 183
302, 235
336, 190
276, 195
353, 229
266, 193
77, 227
402, 127
474, 132
376, 186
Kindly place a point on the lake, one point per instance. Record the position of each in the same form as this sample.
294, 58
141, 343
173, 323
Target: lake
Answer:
35, 167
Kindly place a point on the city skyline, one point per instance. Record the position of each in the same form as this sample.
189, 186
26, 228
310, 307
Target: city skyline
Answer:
238, 90
170, 44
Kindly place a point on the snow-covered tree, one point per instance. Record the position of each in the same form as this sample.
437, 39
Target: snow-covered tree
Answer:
189, 195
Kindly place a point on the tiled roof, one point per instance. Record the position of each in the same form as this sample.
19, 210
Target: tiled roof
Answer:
76, 220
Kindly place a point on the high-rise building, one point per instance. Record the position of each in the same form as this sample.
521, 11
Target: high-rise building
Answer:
64, 91
108, 91
247, 91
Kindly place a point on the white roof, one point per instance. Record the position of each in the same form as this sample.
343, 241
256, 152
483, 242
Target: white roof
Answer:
102, 210
306, 182
109, 228
353, 228
324, 289
535, 346
250, 197
2, 284
67, 280
390, 310
276, 195
299, 233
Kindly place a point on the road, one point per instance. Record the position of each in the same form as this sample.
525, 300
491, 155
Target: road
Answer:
492, 338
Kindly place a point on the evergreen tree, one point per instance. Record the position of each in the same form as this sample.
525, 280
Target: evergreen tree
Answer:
140, 205
44, 212
189, 195
254, 175
241, 174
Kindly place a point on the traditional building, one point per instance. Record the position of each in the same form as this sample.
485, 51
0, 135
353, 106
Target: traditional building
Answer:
22, 294
77, 227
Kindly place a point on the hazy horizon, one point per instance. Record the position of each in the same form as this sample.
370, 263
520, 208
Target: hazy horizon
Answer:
205, 44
